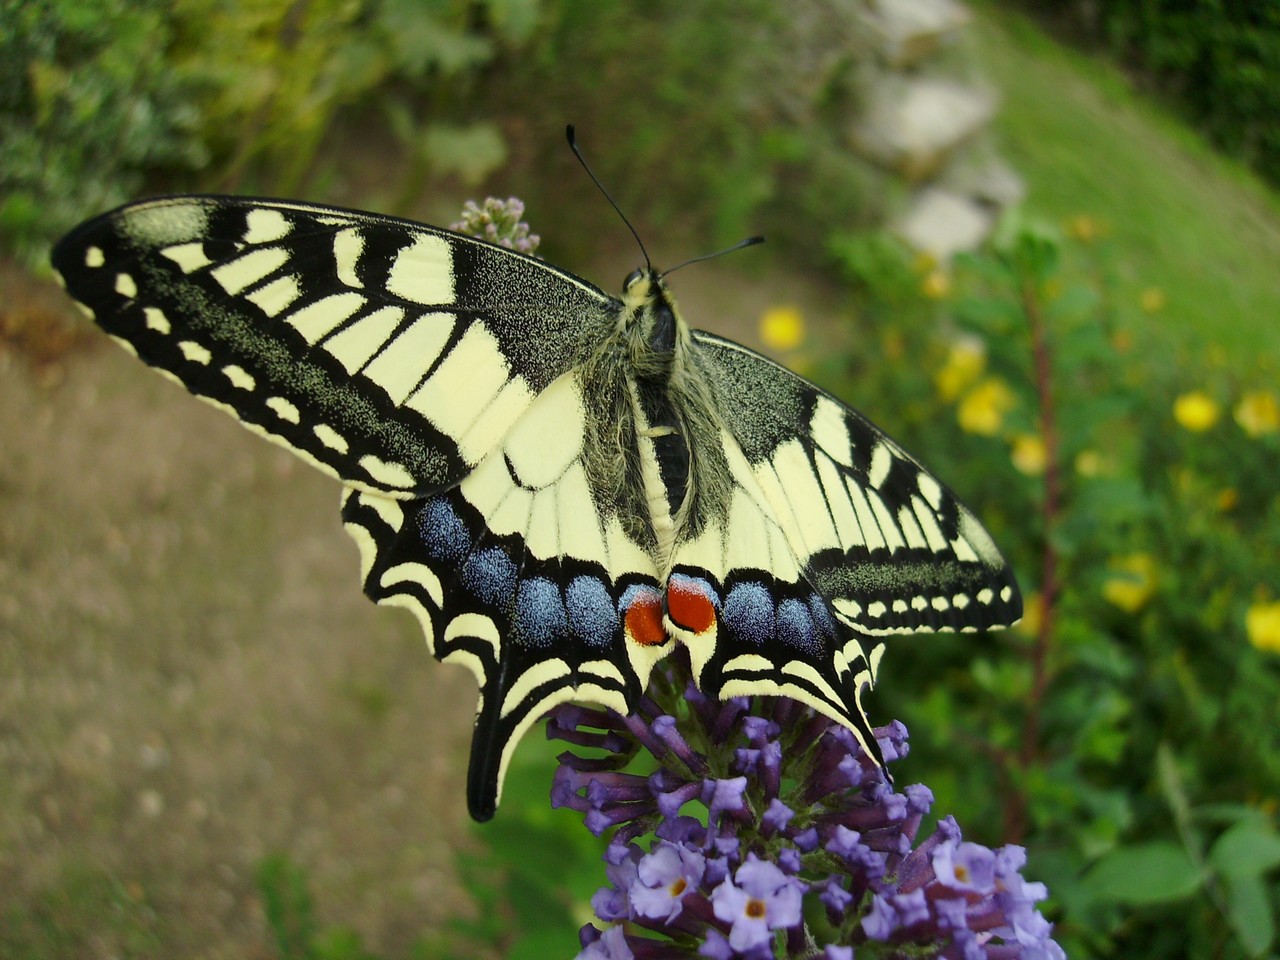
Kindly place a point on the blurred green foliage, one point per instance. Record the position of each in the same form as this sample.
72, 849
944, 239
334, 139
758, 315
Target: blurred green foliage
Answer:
1218, 61
100, 99
1126, 730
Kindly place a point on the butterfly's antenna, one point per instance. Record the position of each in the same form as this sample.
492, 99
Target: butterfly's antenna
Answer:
749, 242
573, 145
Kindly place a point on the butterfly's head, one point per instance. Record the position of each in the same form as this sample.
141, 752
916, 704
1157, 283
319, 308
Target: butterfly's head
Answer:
649, 310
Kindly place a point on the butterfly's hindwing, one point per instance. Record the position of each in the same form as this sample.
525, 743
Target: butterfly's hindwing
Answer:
889, 546
519, 574
391, 354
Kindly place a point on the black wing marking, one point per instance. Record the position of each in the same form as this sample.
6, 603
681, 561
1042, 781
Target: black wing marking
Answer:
391, 354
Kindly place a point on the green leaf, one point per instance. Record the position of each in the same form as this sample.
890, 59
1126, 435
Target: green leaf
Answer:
471, 152
1250, 911
1157, 872
1249, 848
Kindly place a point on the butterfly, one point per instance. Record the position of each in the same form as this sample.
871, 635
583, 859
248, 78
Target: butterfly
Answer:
560, 485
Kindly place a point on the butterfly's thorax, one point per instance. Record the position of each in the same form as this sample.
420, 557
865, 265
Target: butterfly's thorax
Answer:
665, 406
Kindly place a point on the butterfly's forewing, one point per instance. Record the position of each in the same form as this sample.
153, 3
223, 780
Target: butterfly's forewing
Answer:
828, 516
391, 354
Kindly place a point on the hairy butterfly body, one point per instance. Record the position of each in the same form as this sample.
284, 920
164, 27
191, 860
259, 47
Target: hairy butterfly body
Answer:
560, 485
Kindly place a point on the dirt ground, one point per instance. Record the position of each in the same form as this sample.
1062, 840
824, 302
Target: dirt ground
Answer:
190, 678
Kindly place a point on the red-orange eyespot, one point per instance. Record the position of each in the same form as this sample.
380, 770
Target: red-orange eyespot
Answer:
643, 618
689, 603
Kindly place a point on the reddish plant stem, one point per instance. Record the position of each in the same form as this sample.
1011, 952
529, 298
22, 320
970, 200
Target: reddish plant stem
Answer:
1015, 813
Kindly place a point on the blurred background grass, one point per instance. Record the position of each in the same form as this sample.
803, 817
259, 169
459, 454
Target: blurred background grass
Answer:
1127, 733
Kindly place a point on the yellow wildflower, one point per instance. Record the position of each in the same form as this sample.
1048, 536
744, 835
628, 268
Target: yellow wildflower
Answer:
1262, 625
782, 328
1032, 614
1088, 463
966, 360
1132, 583
983, 408
1084, 228
1028, 454
1153, 300
1228, 497
1258, 412
936, 284
892, 345
1195, 411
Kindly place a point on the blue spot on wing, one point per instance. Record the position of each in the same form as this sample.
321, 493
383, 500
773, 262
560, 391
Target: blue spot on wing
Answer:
592, 618
443, 533
540, 614
823, 621
490, 575
749, 613
796, 628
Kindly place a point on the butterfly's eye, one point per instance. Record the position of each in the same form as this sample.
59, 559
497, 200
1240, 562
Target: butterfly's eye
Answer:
633, 277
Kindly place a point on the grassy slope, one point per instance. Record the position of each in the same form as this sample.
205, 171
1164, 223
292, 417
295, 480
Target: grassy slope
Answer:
1185, 220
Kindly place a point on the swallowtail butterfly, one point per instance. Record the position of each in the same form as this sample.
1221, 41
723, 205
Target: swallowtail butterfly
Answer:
560, 485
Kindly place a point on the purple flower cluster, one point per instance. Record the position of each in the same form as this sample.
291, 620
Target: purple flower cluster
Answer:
777, 836
498, 221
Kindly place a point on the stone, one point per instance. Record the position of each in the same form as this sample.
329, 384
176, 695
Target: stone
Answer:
943, 223
912, 126
906, 32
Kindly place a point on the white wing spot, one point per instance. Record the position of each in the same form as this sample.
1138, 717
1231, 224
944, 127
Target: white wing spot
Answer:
900, 606
249, 269
239, 377
330, 437
188, 256
348, 245
830, 432
277, 296
929, 525
531, 680
919, 603
93, 257
266, 225
283, 409
125, 286
387, 473
876, 609
355, 345
960, 601
881, 461
315, 320
849, 608
930, 489
156, 320
399, 366
941, 603
603, 668
194, 352
963, 551
986, 595
1006, 593
423, 272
